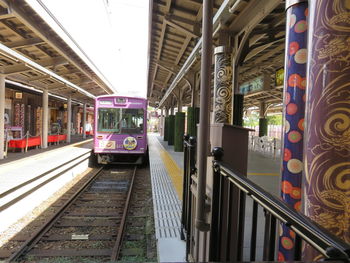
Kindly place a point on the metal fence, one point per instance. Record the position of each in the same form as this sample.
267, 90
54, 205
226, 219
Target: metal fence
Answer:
228, 216
189, 171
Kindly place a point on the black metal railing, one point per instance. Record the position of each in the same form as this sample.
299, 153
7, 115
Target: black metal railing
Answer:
189, 170
227, 234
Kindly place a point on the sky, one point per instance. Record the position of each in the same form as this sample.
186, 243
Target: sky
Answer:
114, 35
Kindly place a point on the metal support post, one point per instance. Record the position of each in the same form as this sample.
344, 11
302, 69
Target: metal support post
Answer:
2, 115
69, 118
45, 118
84, 121
207, 29
161, 124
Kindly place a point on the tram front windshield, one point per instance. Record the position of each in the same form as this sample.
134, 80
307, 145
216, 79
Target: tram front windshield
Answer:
120, 121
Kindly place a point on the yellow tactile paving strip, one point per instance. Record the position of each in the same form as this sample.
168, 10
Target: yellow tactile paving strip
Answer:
166, 177
175, 173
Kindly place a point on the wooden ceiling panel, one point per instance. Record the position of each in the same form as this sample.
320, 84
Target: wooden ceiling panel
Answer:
22, 30
263, 54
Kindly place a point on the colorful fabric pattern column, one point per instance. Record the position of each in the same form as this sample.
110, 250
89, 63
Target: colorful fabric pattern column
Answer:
327, 152
294, 112
223, 86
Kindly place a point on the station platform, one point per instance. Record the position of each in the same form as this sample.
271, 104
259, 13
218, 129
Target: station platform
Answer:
39, 169
166, 168
17, 155
166, 176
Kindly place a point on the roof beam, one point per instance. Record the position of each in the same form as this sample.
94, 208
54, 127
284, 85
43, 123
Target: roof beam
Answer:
25, 43
180, 19
163, 64
255, 50
185, 11
6, 13
254, 12
167, 9
39, 30
162, 34
268, 55
42, 70
180, 28
192, 57
182, 50
18, 31
14, 69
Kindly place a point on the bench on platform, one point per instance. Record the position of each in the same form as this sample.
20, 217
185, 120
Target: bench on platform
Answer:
35, 141
56, 138
21, 143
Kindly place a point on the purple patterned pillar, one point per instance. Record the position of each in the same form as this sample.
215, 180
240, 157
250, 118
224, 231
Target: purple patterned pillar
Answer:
327, 148
294, 111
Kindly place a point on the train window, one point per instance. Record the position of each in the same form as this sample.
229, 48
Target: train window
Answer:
120, 121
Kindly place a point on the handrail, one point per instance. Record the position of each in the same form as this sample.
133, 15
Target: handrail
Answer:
189, 170
326, 243
229, 192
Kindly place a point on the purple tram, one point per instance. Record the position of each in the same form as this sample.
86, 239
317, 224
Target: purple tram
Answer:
120, 130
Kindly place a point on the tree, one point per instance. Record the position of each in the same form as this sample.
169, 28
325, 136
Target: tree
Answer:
274, 119
251, 121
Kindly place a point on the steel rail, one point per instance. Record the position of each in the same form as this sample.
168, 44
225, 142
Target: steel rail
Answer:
30, 243
117, 246
20, 197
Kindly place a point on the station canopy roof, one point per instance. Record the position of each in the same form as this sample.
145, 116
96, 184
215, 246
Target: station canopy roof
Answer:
175, 44
32, 53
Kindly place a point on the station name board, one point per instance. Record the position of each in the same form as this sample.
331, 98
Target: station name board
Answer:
252, 85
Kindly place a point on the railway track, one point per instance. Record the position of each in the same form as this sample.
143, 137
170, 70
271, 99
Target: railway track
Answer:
89, 224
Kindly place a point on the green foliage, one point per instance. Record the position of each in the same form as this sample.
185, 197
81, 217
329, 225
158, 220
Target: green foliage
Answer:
251, 121
274, 119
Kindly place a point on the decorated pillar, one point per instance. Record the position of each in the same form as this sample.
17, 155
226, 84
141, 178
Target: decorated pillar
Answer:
222, 85
294, 112
327, 135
